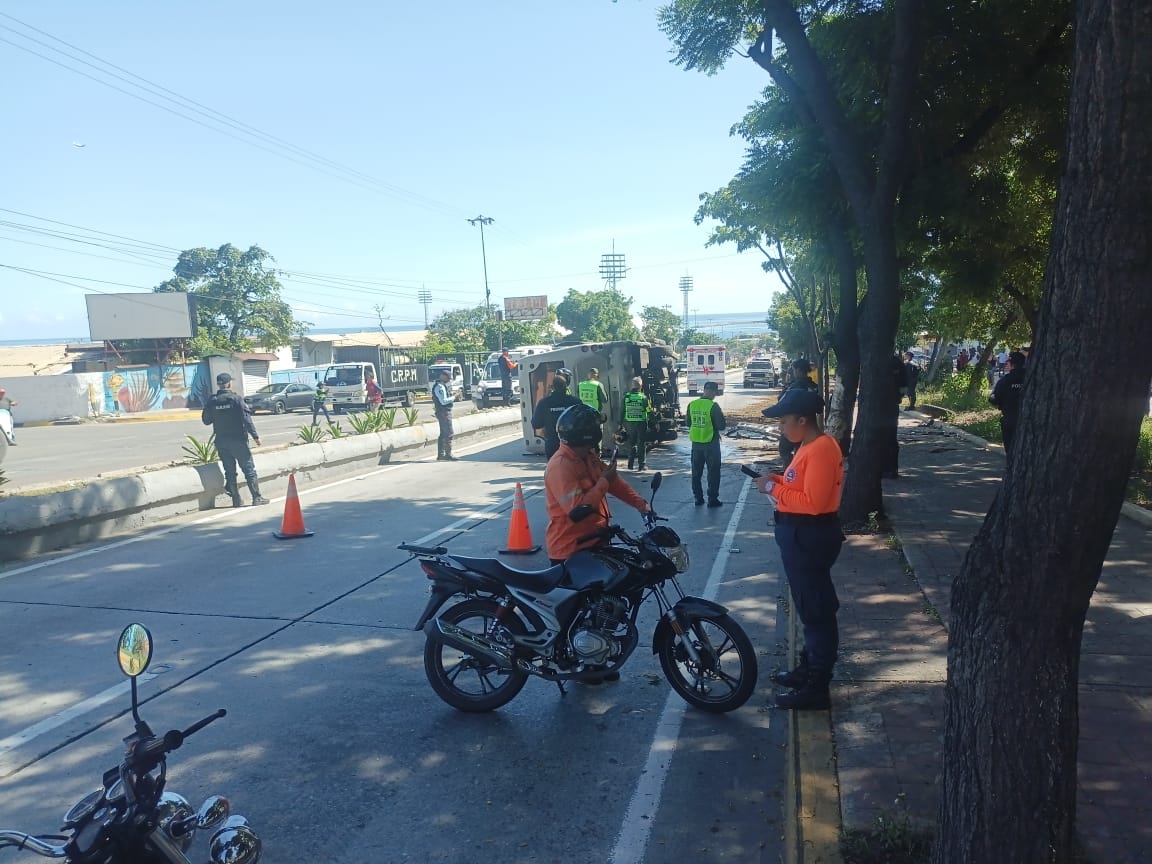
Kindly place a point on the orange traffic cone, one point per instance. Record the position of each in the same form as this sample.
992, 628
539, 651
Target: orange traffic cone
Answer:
292, 525
519, 532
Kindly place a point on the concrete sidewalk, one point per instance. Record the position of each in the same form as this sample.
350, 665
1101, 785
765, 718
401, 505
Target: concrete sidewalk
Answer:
887, 710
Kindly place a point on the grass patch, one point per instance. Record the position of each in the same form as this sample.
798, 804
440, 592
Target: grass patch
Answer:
892, 840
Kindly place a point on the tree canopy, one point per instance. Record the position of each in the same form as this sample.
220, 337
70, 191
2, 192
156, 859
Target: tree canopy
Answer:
597, 316
658, 324
237, 299
476, 329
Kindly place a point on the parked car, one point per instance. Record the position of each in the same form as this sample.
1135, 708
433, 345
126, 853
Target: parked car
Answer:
489, 390
279, 398
761, 373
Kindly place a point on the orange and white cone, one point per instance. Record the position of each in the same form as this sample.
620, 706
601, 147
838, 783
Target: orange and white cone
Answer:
292, 525
519, 531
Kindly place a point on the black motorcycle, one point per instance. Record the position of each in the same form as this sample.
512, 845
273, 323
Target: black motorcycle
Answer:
577, 621
131, 819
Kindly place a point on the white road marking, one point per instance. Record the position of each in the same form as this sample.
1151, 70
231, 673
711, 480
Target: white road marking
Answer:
225, 513
632, 843
61, 717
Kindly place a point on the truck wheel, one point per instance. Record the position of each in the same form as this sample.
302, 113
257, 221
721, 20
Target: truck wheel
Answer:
408, 399
337, 409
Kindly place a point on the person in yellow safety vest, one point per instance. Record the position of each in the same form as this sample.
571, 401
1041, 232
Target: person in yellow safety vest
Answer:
592, 393
637, 410
705, 421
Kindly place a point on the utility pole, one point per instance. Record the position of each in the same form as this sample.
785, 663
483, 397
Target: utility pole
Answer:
425, 297
685, 288
482, 221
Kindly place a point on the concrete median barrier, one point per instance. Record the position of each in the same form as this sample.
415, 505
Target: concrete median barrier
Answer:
36, 523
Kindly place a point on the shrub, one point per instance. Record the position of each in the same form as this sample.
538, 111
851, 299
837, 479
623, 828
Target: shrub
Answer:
312, 434
411, 415
336, 430
1143, 459
201, 452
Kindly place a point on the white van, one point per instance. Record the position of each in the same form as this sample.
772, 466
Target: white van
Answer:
706, 363
455, 383
489, 390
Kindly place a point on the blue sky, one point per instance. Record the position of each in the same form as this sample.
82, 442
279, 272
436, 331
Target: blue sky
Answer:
564, 122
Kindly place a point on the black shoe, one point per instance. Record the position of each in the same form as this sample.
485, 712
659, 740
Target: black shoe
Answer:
642, 468
811, 697
715, 503
793, 680
237, 501
699, 502
260, 499
441, 458
631, 464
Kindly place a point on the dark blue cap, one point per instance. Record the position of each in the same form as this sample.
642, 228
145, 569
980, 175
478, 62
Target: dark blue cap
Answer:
798, 401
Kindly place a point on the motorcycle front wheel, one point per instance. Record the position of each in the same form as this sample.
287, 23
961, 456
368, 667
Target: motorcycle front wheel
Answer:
469, 683
725, 675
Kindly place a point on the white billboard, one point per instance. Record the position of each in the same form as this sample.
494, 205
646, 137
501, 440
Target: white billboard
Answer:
534, 308
169, 315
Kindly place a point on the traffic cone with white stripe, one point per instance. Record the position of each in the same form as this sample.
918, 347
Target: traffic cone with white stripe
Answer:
519, 531
292, 525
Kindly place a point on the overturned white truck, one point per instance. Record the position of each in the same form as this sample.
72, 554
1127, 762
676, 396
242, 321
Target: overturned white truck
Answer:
618, 363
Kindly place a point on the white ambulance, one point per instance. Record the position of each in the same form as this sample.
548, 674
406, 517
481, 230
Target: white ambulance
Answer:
705, 363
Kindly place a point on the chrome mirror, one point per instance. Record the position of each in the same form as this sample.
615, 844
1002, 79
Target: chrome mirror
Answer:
134, 650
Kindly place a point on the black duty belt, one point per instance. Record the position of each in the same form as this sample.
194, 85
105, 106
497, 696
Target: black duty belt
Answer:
807, 519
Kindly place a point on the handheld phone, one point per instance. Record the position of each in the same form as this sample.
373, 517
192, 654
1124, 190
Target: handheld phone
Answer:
751, 472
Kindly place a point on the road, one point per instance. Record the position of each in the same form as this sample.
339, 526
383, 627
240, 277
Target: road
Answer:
57, 455
334, 745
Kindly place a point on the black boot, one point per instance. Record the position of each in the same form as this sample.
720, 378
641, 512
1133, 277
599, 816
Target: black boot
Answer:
233, 493
254, 488
795, 679
813, 696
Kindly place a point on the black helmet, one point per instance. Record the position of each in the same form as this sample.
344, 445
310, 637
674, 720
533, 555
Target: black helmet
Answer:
579, 426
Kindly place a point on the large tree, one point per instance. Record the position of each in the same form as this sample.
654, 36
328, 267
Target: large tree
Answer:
597, 316
659, 324
237, 299
477, 329
1019, 603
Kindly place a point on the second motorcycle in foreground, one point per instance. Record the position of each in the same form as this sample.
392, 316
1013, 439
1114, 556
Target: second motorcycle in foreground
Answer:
577, 621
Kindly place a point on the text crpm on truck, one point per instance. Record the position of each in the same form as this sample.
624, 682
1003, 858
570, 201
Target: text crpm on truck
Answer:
399, 379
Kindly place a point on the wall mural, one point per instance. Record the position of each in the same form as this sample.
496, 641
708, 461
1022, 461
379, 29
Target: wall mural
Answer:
155, 388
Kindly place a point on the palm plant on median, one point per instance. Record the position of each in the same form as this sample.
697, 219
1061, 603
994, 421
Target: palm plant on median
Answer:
411, 415
372, 421
312, 434
201, 452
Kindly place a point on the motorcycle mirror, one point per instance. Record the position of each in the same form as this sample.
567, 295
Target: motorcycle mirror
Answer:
579, 514
212, 812
134, 650
657, 479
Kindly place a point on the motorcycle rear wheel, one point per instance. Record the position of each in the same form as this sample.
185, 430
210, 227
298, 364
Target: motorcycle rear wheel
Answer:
469, 683
726, 676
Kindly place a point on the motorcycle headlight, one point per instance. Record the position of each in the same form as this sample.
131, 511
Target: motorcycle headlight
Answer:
678, 555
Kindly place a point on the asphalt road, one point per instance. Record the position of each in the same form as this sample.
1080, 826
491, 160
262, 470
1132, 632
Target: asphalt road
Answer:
334, 745
50, 455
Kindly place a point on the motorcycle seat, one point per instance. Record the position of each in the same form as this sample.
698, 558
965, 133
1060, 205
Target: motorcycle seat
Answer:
536, 581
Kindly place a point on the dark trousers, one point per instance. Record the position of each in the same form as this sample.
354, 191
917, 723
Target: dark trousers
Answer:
233, 452
317, 407
637, 445
551, 445
808, 551
444, 442
706, 455
911, 389
1008, 432
506, 390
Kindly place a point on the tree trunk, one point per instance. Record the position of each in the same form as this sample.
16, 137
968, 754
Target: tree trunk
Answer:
1018, 605
845, 341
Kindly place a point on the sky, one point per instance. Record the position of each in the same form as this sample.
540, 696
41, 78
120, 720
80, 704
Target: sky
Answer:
380, 129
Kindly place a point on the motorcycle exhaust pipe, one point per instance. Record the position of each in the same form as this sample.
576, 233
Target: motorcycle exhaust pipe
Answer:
469, 643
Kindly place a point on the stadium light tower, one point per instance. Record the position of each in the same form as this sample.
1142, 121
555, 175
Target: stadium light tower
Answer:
685, 288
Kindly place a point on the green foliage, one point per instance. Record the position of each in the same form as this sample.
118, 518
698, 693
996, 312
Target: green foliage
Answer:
476, 329
376, 420
411, 415
312, 434
201, 452
1143, 461
893, 840
336, 430
387, 417
3, 477
957, 392
597, 316
692, 336
659, 325
237, 299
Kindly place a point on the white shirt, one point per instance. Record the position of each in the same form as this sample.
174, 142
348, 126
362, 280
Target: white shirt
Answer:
440, 394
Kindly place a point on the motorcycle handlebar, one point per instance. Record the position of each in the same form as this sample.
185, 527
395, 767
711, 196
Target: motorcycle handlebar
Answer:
20, 840
150, 752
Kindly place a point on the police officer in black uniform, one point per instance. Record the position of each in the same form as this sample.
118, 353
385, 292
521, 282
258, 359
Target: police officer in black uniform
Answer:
226, 413
549, 409
1006, 396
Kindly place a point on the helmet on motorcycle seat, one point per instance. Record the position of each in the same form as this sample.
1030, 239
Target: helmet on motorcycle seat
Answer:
579, 426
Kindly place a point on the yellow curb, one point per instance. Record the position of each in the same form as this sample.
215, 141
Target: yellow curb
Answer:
149, 418
812, 808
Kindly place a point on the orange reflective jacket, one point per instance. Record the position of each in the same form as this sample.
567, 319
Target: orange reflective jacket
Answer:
813, 481
571, 480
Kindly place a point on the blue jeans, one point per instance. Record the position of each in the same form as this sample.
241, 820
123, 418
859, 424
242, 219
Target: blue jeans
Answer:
808, 549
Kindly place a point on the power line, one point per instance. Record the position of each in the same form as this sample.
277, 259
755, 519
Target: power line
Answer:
278, 146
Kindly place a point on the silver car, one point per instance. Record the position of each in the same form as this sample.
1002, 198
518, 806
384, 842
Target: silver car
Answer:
279, 398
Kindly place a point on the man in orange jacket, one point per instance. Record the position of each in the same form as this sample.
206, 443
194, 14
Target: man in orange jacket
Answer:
575, 476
